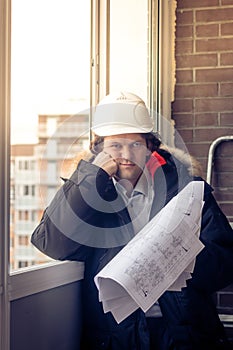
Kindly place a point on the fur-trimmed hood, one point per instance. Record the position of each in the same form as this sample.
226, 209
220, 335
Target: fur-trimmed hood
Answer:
193, 166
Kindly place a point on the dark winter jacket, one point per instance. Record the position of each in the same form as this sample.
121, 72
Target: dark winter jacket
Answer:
87, 221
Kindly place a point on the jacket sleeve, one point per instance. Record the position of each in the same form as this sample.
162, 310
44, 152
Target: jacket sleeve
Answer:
214, 264
74, 215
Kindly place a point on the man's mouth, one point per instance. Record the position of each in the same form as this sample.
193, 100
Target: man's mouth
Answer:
127, 164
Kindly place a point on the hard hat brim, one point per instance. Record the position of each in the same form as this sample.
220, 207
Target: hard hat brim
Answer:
119, 129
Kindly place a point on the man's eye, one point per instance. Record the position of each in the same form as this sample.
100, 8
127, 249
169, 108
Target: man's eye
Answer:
116, 146
137, 144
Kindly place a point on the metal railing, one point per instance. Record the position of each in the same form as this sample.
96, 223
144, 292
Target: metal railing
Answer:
227, 319
212, 149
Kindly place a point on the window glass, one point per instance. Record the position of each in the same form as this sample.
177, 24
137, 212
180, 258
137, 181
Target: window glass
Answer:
50, 94
129, 32
50, 58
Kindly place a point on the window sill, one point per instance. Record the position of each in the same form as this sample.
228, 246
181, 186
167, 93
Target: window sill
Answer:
38, 278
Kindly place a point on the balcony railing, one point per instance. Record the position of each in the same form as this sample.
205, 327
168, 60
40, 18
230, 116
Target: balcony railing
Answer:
25, 177
60, 152
24, 227
67, 130
26, 202
25, 253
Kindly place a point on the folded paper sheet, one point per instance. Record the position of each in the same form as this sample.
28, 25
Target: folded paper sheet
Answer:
160, 257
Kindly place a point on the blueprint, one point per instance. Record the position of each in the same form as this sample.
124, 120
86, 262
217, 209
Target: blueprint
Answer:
160, 257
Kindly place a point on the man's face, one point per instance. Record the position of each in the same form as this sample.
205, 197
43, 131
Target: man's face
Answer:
130, 152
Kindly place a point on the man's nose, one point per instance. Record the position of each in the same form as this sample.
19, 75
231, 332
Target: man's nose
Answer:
126, 152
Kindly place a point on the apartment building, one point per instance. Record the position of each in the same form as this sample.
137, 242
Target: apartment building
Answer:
36, 171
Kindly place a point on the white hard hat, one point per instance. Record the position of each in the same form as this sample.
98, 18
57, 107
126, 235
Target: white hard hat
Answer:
121, 113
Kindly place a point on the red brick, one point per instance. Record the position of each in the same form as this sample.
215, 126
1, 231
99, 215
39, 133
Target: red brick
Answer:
207, 30
222, 204
183, 120
227, 209
198, 149
223, 180
184, 17
227, 28
223, 196
181, 4
214, 104
226, 89
189, 61
185, 135
216, 15
227, 2
226, 59
184, 76
184, 31
184, 46
183, 105
206, 119
214, 75
211, 134
224, 149
202, 115
217, 182
214, 45
226, 119
224, 164
181, 137
196, 90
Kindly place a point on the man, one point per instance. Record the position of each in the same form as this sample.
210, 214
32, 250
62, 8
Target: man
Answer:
108, 199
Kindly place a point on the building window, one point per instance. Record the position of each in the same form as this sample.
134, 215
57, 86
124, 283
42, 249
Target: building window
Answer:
23, 215
23, 240
25, 190
23, 165
23, 264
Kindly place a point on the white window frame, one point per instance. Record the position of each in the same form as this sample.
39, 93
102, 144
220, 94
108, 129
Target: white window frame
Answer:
25, 281
166, 65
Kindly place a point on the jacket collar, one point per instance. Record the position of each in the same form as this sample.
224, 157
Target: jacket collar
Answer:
155, 161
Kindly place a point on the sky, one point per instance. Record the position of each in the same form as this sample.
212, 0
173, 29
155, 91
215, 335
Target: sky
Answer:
51, 58
49, 61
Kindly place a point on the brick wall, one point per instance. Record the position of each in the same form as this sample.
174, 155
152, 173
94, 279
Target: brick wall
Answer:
203, 105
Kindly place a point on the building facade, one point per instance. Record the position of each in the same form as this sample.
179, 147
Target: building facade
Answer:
36, 171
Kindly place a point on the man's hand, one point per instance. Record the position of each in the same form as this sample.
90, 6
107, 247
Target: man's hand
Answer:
106, 162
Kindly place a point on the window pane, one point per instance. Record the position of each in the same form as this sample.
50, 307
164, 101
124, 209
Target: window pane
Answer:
129, 46
49, 96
